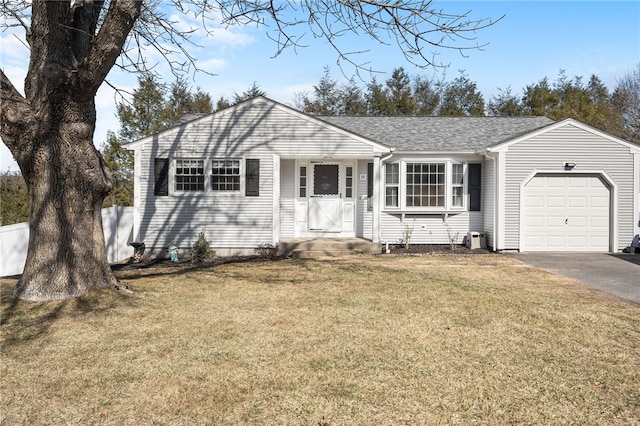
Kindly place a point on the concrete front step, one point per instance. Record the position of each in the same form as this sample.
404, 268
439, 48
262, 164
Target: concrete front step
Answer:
319, 247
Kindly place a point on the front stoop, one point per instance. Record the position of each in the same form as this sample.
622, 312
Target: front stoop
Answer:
305, 248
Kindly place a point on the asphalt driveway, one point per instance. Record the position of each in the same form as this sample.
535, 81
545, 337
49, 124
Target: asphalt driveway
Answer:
617, 274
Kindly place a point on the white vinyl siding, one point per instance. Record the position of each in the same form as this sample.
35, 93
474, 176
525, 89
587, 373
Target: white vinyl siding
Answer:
430, 228
548, 151
258, 130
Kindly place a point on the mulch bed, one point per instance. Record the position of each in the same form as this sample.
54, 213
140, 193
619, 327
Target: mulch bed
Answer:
397, 250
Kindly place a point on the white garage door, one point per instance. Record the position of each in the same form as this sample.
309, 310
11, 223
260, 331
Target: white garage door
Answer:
566, 213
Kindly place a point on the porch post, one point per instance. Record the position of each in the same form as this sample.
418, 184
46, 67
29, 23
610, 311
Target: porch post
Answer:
376, 207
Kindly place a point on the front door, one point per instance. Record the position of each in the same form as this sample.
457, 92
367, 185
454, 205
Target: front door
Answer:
326, 198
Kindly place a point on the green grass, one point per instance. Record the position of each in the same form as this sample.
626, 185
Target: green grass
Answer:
364, 340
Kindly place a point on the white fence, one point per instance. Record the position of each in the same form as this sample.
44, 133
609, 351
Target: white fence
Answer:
117, 223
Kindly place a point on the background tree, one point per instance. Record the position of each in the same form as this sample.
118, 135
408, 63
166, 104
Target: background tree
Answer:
353, 99
73, 46
14, 199
427, 95
327, 98
182, 101
540, 99
120, 162
146, 114
626, 102
253, 91
461, 97
400, 94
506, 104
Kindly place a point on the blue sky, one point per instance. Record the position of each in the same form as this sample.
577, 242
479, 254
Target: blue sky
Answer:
535, 39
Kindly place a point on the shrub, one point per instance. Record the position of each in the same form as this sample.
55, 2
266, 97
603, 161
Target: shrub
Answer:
201, 250
267, 251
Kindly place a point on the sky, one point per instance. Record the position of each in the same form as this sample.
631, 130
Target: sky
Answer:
534, 40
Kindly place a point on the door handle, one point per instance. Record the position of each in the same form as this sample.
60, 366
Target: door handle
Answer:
566, 221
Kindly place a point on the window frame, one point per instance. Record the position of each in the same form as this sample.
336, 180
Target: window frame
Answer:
393, 186
208, 170
239, 175
404, 180
174, 174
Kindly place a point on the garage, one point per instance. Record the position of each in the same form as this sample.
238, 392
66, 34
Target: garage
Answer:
566, 212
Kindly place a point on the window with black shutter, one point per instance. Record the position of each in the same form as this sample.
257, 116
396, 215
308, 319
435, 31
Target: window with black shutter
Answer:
252, 184
161, 182
475, 187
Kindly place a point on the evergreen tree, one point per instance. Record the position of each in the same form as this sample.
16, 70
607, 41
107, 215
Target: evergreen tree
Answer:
426, 94
250, 93
506, 104
120, 162
14, 199
376, 99
146, 114
540, 99
327, 99
353, 102
462, 98
182, 101
400, 94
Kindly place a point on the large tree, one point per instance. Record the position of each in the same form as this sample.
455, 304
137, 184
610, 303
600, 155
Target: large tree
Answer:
73, 46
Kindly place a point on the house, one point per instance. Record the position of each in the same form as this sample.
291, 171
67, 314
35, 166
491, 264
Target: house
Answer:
261, 173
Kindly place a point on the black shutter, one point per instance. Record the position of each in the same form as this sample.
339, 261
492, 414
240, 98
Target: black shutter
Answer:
369, 180
475, 187
252, 184
369, 187
161, 187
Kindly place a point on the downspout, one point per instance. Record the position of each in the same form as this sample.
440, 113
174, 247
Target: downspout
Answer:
377, 200
495, 204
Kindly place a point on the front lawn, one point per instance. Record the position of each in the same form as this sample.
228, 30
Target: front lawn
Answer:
438, 339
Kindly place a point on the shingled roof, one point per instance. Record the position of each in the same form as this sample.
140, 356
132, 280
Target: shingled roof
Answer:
439, 134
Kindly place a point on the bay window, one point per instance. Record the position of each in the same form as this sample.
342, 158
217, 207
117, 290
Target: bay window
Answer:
425, 186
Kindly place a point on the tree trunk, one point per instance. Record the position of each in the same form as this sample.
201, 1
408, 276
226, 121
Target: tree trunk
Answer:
49, 131
67, 182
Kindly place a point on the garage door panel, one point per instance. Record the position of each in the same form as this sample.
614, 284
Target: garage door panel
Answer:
578, 182
566, 213
599, 201
555, 242
536, 201
578, 202
555, 202
599, 222
555, 221
578, 222
577, 241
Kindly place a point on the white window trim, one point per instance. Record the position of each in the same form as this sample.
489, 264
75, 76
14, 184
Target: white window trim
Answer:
448, 196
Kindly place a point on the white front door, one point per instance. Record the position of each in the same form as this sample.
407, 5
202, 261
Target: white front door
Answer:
326, 199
